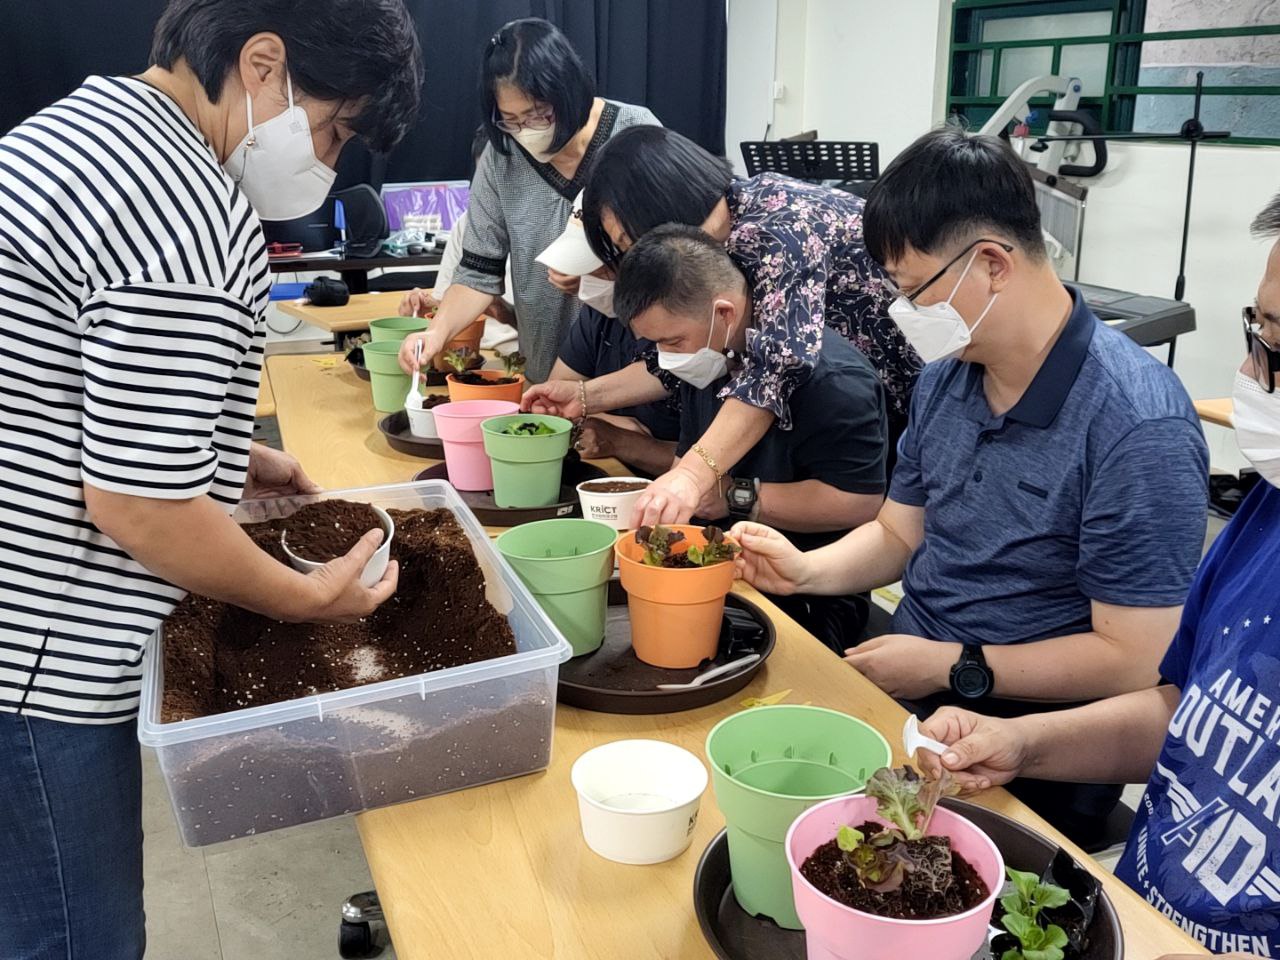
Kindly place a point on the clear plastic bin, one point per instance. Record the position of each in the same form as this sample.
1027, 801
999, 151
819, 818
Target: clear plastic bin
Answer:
259, 769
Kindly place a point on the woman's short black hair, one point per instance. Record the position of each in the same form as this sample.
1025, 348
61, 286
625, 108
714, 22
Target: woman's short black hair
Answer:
647, 176
948, 187
337, 50
533, 56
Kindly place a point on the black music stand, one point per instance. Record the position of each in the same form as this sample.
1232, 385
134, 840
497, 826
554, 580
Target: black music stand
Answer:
845, 162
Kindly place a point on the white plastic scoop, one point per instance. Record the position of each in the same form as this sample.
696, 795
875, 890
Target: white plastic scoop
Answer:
413, 399
732, 667
913, 739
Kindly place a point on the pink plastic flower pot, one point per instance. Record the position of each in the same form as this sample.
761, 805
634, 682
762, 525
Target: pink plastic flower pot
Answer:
836, 932
459, 427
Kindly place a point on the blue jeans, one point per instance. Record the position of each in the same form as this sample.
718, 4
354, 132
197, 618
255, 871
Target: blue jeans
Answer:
70, 841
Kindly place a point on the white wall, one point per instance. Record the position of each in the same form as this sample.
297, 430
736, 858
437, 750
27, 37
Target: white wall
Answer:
876, 70
749, 74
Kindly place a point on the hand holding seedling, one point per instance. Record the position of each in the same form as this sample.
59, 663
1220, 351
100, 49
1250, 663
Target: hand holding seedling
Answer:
558, 398
769, 561
672, 498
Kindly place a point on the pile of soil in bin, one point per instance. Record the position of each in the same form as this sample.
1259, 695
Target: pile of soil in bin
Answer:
475, 380
324, 531
829, 871
615, 486
219, 658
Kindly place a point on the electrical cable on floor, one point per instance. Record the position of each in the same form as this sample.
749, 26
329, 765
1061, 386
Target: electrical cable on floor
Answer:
291, 330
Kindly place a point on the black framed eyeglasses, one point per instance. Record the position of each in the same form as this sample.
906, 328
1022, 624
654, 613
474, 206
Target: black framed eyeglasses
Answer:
911, 297
1266, 359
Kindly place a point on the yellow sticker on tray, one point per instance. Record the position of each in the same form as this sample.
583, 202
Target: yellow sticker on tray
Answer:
767, 701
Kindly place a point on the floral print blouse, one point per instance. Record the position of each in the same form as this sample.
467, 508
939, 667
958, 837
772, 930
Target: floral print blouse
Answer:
800, 246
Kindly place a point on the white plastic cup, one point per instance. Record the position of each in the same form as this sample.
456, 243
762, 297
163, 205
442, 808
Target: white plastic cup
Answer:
422, 424
373, 570
611, 508
638, 799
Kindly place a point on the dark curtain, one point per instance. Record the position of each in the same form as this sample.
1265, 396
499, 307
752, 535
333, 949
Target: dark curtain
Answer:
668, 55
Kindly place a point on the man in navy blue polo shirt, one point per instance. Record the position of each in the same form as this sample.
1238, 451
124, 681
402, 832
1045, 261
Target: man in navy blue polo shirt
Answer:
678, 288
1048, 507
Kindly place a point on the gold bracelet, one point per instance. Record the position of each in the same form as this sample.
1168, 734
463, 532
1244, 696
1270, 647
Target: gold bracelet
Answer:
582, 397
707, 459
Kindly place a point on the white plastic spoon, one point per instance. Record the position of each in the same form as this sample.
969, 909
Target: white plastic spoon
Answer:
413, 399
730, 667
913, 739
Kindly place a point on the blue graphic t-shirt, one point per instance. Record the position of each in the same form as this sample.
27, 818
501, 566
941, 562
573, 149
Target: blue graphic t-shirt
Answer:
1205, 848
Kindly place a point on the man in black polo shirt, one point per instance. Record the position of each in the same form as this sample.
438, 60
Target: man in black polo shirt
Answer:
679, 289
1048, 507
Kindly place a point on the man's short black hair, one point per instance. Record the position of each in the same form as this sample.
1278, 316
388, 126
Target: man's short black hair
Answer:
677, 267
647, 176
1267, 223
947, 188
533, 56
337, 50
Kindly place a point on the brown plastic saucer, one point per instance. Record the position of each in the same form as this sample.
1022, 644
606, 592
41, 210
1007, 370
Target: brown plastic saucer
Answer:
492, 515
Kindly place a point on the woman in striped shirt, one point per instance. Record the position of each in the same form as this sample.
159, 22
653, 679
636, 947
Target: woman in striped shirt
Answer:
133, 280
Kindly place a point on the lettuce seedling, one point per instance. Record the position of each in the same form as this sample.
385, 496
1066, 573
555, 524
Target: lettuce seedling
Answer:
657, 542
528, 428
459, 359
1022, 908
719, 549
906, 799
513, 362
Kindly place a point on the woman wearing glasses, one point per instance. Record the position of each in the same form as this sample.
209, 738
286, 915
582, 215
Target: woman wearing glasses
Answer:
800, 246
545, 125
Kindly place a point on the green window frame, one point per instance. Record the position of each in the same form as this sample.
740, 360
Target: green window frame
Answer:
1115, 107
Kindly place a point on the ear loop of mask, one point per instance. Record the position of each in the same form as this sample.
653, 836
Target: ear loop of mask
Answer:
248, 108
990, 303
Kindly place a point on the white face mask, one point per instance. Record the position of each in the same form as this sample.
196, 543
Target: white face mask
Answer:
937, 331
1257, 420
700, 369
537, 142
276, 165
597, 293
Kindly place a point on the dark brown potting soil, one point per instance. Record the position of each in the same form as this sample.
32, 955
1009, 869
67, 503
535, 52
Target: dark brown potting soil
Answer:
829, 871
615, 486
219, 658
678, 561
434, 400
475, 380
329, 529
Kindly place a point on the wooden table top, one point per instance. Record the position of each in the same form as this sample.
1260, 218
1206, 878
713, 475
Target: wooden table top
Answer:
266, 396
1215, 411
355, 315
502, 870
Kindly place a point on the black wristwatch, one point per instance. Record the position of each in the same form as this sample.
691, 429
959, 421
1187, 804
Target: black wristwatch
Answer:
742, 497
971, 678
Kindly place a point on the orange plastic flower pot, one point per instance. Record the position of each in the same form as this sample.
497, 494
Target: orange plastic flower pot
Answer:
498, 391
675, 613
468, 339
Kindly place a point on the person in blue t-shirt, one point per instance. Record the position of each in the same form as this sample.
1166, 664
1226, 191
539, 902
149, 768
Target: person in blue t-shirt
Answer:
1048, 506
1205, 847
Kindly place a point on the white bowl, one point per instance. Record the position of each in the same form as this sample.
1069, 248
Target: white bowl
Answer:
638, 799
611, 508
422, 423
373, 570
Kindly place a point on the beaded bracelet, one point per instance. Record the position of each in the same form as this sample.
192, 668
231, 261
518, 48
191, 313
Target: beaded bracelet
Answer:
582, 397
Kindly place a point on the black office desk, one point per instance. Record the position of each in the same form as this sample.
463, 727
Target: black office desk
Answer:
354, 270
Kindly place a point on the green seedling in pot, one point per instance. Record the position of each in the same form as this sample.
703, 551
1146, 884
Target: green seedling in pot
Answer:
460, 359
657, 542
1023, 906
883, 860
513, 363
719, 548
528, 428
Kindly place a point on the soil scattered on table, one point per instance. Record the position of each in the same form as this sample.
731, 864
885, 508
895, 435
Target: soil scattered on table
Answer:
219, 658
326, 530
830, 871
615, 486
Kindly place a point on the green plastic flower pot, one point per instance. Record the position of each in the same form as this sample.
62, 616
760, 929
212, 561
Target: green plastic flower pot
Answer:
769, 765
395, 329
526, 469
566, 564
390, 384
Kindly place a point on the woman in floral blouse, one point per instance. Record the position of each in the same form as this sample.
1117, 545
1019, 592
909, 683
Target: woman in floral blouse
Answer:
800, 246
